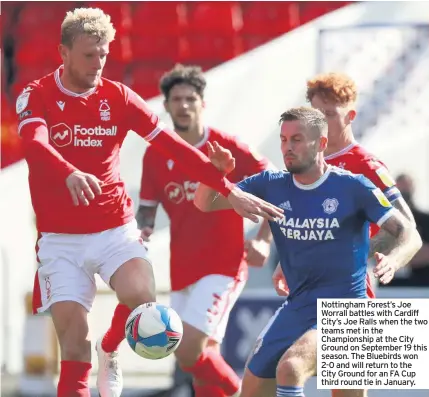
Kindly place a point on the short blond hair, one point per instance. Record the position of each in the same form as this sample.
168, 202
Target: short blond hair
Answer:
312, 119
336, 87
90, 21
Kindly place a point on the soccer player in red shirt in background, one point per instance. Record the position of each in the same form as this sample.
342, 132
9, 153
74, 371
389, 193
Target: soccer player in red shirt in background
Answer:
335, 95
72, 123
208, 265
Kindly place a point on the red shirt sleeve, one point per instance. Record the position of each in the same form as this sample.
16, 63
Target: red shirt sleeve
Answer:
194, 163
149, 193
32, 128
380, 176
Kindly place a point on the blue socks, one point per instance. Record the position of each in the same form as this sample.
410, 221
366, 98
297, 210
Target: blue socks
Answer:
290, 391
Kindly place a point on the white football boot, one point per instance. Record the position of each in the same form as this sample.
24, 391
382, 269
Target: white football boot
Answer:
109, 377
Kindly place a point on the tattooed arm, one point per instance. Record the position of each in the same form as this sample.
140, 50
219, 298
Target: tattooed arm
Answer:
146, 220
406, 242
384, 241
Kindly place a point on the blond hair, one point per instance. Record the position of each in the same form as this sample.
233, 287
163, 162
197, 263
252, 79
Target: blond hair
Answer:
90, 21
336, 87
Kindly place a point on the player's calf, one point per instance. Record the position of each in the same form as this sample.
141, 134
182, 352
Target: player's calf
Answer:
255, 386
71, 325
297, 365
201, 357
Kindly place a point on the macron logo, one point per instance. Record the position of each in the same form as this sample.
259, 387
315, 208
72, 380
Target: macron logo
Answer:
61, 104
61, 135
286, 206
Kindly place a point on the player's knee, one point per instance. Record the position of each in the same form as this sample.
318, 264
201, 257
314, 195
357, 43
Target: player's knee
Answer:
134, 283
290, 370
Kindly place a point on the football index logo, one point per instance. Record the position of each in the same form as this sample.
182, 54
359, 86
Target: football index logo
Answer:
62, 135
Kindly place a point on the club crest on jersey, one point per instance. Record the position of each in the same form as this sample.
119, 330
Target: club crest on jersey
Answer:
104, 110
330, 205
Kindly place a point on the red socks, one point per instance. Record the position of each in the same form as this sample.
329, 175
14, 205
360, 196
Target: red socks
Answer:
208, 391
211, 369
116, 333
369, 291
74, 379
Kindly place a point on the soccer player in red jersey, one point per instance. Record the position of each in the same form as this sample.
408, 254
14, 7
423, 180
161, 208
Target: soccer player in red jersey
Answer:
335, 95
208, 265
72, 123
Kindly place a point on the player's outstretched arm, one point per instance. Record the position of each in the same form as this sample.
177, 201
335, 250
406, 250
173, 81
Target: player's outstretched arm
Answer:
245, 204
407, 243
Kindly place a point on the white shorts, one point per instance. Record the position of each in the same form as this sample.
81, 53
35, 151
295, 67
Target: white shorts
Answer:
206, 304
69, 262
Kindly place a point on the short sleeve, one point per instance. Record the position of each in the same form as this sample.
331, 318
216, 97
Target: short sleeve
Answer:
149, 194
380, 176
255, 184
372, 201
140, 118
30, 109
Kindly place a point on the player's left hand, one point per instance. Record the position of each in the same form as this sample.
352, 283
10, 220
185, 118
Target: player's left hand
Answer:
257, 251
220, 157
384, 269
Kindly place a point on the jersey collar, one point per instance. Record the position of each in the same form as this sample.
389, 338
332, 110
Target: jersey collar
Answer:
64, 90
314, 185
204, 140
342, 151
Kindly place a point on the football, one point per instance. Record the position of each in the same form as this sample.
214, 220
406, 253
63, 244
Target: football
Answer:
154, 331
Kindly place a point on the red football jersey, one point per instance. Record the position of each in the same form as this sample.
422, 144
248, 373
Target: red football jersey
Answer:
63, 131
201, 243
356, 159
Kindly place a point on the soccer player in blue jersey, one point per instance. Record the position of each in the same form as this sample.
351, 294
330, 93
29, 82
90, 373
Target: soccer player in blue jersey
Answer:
323, 244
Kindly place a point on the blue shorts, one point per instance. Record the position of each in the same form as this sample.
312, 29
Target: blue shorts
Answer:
285, 327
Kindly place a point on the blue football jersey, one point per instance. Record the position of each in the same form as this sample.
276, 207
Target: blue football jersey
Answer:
323, 240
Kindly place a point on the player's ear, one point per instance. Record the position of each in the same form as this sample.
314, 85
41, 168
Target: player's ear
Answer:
351, 115
166, 105
61, 51
323, 143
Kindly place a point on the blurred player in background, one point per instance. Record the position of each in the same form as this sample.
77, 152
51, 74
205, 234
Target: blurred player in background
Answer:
323, 244
72, 123
209, 258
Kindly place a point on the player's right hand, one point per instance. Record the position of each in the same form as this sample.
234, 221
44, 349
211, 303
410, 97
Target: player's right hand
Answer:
279, 282
146, 232
220, 157
83, 187
250, 207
